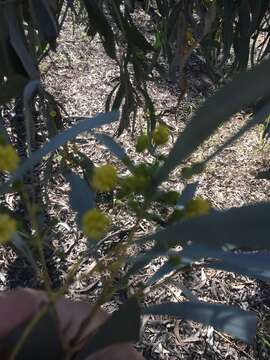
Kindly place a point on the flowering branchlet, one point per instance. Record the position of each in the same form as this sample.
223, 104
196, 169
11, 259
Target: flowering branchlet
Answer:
104, 178
197, 207
7, 228
95, 224
161, 135
142, 143
9, 159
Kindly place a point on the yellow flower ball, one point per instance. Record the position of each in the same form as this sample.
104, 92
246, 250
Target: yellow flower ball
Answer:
190, 38
53, 113
197, 207
104, 178
208, 3
142, 143
9, 159
161, 135
95, 224
7, 228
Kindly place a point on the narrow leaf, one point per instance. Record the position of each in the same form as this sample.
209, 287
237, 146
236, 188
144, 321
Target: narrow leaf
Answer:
81, 198
59, 140
12, 88
245, 227
45, 21
98, 20
18, 41
187, 194
22, 247
114, 148
246, 88
232, 320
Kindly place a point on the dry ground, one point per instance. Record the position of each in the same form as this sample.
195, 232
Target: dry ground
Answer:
80, 76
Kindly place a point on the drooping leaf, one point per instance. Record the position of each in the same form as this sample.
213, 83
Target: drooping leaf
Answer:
28, 94
255, 7
232, 320
59, 140
214, 112
187, 194
115, 149
109, 98
6, 68
163, 270
45, 21
244, 34
133, 36
12, 88
254, 265
120, 94
81, 197
245, 227
99, 22
258, 118
18, 40
22, 247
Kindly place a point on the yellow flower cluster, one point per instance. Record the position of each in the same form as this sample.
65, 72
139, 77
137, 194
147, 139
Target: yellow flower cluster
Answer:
197, 207
9, 159
190, 38
142, 143
208, 2
7, 228
53, 113
104, 178
139, 181
161, 135
95, 224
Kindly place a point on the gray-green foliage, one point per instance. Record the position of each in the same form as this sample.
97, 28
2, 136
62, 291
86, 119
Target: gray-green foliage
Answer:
28, 30
222, 32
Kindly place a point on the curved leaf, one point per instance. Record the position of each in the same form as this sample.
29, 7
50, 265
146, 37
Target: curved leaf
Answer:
99, 22
246, 227
18, 41
12, 87
246, 88
81, 198
230, 319
187, 194
59, 140
114, 148
22, 247
45, 21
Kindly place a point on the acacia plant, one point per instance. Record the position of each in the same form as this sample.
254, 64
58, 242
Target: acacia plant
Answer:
223, 32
